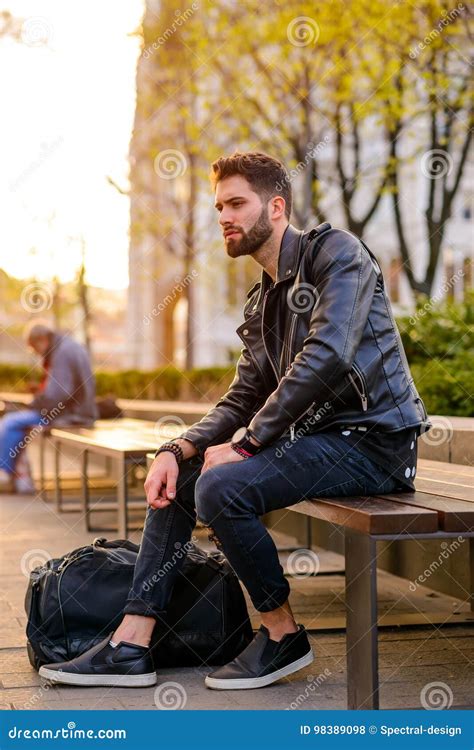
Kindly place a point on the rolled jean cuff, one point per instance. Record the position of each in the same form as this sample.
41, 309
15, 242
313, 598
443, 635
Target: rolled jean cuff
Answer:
273, 601
140, 607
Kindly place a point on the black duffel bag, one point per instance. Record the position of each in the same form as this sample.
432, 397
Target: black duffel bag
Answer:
75, 601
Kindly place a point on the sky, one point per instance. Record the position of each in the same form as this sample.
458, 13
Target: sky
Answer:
67, 95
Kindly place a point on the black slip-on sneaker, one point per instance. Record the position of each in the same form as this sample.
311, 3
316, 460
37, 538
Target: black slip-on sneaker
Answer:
263, 661
125, 665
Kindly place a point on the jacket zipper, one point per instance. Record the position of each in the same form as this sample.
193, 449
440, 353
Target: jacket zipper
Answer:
361, 392
288, 366
290, 341
263, 335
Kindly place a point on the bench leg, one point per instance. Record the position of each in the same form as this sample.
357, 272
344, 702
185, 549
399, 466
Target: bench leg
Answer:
41, 446
122, 519
471, 572
361, 621
85, 489
57, 477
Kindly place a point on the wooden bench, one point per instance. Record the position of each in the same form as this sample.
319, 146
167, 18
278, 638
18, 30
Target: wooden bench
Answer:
125, 442
441, 508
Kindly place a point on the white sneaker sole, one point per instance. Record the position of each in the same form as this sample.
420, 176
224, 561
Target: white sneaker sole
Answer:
258, 682
99, 680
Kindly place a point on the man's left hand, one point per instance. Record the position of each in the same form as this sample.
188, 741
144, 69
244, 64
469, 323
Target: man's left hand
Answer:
220, 454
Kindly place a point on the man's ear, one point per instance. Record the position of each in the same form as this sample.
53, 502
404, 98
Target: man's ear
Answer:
277, 207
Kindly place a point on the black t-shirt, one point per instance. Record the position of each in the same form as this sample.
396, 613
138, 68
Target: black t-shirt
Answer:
394, 451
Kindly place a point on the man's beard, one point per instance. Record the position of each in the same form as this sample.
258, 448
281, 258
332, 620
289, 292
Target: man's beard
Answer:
249, 242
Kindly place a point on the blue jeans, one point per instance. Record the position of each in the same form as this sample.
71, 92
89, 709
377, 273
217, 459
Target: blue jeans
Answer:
230, 499
13, 428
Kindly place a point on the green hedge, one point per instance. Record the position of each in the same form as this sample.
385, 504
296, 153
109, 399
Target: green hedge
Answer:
438, 342
166, 383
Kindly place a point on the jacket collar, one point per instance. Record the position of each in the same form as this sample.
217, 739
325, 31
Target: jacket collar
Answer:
287, 258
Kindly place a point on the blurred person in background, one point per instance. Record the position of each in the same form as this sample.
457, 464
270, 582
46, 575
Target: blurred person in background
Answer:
65, 396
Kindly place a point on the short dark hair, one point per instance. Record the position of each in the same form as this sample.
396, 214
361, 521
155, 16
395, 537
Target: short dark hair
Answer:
266, 176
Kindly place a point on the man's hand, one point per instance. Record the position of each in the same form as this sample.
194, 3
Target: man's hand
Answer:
160, 484
220, 454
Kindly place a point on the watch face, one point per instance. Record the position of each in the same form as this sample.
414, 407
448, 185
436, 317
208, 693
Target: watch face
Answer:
239, 434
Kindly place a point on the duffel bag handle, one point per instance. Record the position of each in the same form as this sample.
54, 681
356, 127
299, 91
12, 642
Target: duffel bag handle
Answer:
101, 541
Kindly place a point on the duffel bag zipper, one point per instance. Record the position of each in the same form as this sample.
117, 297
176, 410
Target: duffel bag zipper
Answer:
61, 571
69, 559
360, 389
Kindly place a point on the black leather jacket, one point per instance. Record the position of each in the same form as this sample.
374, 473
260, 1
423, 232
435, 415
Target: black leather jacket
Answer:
321, 349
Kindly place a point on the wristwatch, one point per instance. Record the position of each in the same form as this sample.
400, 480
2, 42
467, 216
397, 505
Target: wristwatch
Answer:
242, 444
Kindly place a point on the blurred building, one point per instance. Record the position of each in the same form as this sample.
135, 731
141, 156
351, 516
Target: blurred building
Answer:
157, 303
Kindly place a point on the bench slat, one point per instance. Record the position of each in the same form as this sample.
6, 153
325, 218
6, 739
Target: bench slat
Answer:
370, 515
441, 469
455, 490
455, 515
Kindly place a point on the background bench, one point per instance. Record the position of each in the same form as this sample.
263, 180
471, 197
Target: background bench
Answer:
125, 442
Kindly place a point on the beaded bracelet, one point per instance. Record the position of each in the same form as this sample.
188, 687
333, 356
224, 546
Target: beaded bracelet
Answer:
172, 448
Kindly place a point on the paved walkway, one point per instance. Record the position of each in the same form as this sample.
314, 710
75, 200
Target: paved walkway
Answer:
410, 659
